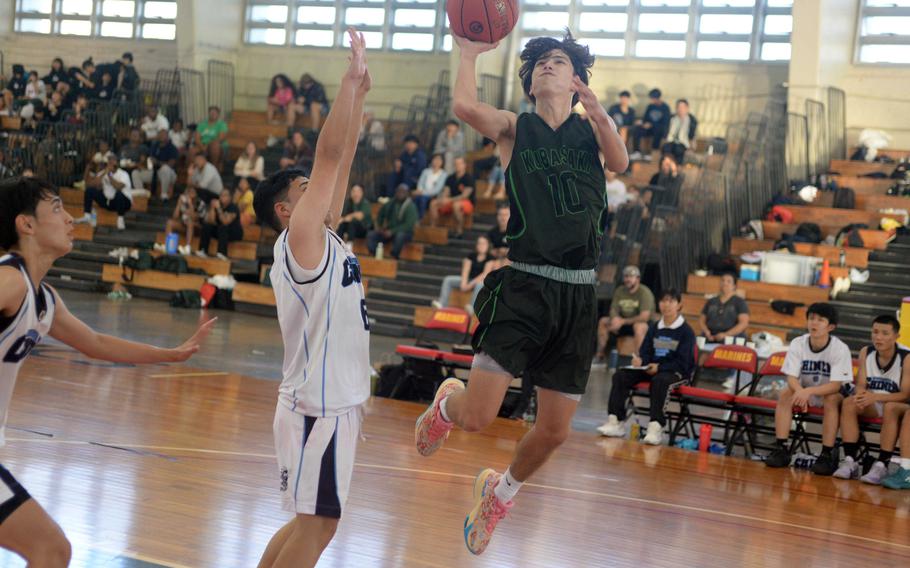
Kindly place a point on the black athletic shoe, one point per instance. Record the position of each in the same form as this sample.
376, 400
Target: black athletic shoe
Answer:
826, 464
779, 457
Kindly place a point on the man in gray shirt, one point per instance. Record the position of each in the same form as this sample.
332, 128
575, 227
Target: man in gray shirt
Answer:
205, 178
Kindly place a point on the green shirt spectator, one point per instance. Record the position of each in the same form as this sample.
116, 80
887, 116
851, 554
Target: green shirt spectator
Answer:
395, 223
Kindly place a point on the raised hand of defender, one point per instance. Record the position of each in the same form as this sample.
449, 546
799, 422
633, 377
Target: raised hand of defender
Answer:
474, 48
588, 99
191, 346
358, 58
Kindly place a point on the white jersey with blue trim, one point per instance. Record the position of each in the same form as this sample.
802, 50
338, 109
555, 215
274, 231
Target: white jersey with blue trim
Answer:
885, 379
325, 329
20, 334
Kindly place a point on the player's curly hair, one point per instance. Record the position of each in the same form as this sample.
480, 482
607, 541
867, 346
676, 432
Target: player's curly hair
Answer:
579, 55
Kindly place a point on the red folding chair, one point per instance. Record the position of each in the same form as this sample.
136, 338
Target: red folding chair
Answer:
448, 319
731, 357
747, 407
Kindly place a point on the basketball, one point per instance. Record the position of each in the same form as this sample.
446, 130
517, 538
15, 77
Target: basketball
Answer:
486, 21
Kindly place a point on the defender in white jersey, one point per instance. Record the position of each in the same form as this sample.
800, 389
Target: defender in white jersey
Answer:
817, 367
325, 329
882, 391
36, 230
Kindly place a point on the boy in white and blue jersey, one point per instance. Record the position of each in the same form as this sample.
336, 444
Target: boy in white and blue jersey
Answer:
882, 391
325, 329
817, 366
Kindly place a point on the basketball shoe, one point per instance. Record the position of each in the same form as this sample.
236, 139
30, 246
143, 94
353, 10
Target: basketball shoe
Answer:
488, 511
431, 431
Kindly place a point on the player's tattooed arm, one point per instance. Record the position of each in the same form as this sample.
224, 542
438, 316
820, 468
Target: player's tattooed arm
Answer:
616, 158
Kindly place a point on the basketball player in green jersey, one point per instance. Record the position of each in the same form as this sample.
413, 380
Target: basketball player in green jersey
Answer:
537, 315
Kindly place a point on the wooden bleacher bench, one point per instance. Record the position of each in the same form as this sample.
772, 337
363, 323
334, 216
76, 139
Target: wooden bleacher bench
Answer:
211, 265
485, 205
411, 251
83, 232
857, 168
692, 320
449, 222
759, 291
385, 268
895, 154
457, 299
105, 218
872, 239
864, 185
642, 172
879, 202
760, 313
10, 122
854, 257
153, 279
237, 250
832, 216
431, 235
76, 197
253, 294
256, 233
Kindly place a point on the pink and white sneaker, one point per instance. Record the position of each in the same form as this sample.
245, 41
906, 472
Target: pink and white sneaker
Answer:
488, 511
431, 430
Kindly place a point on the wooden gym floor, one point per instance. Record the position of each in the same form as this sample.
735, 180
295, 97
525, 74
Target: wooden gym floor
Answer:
173, 466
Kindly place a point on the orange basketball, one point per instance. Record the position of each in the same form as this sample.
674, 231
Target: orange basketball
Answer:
487, 21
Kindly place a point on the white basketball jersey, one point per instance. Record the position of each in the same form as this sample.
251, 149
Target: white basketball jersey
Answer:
21, 333
325, 328
885, 379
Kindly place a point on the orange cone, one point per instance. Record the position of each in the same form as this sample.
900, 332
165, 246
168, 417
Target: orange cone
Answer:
824, 280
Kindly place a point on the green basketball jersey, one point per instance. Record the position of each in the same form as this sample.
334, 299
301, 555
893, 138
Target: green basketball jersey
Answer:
557, 193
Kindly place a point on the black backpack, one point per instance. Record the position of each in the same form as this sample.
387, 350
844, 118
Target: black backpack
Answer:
186, 299
844, 198
808, 233
171, 263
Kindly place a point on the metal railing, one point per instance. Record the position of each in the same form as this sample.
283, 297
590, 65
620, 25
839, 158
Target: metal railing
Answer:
220, 86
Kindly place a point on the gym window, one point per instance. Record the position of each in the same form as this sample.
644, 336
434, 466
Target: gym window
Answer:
884, 32
136, 19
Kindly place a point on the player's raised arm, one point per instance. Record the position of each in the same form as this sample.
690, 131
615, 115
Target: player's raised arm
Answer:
72, 331
350, 146
490, 121
616, 158
306, 229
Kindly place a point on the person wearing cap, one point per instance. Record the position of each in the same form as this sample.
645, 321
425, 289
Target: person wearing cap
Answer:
311, 99
623, 115
407, 167
653, 125
110, 189
630, 313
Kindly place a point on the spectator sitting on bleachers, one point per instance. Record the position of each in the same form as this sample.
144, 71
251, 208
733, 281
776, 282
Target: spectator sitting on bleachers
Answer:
5, 170
499, 242
4, 108
297, 153
211, 137
55, 107
153, 122
630, 313
281, 99
725, 315
205, 178
395, 223
243, 199
35, 89
372, 133
164, 157
125, 71
474, 268
110, 189
132, 152
79, 108
492, 166
623, 115
617, 196
15, 87
681, 134
187, 216
311, 99
457, 198
356, 215
432, 180
666, 359
250, 163
103, 152
900, 479
653, 124
179, 135
222, 221
57, 74
882, 391
104, 91
81, 78
450, 143
407, 167
817, 366
669, 179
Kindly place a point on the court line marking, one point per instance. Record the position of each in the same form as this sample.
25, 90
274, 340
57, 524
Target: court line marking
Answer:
125, 553
586, 492
178, 375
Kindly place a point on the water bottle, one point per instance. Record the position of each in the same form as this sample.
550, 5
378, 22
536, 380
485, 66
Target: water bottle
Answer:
843, 257
635, 431
704, 437
170, 243
379, 251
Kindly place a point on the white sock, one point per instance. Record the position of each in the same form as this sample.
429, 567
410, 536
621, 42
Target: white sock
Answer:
442, 409
507, 487
905, 463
